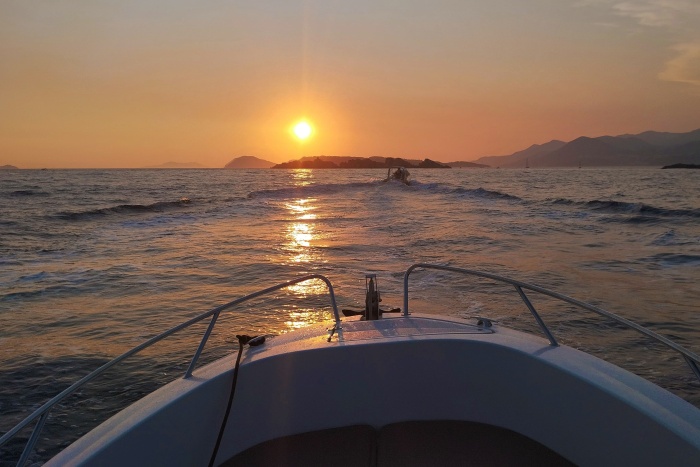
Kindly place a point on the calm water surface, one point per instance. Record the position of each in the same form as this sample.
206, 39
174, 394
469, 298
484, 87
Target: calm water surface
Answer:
94, 262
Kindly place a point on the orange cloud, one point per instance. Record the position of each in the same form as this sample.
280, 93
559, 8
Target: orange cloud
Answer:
685, 67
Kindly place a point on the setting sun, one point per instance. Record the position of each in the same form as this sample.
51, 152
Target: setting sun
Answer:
302, 130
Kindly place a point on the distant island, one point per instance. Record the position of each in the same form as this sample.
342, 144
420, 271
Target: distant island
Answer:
650, 148
8, 167
338, 162
177, 165
681, 166
249, 162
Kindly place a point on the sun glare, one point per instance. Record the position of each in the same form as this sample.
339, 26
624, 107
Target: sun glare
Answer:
302, 130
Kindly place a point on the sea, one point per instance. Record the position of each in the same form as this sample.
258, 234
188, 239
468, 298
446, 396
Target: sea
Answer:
94, 262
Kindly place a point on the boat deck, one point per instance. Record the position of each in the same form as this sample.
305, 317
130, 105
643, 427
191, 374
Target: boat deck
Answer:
417, 326
406, 444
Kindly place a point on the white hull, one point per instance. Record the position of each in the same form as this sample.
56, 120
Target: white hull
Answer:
403, 369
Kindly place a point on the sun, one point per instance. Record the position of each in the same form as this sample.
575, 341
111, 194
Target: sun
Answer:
303, 130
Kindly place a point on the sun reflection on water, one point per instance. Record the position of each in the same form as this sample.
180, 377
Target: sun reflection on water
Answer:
301, 232
301, 248
316, 287
302, 177
300, 317
301, 206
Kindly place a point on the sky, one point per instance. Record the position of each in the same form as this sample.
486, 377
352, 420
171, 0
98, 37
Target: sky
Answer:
133, 83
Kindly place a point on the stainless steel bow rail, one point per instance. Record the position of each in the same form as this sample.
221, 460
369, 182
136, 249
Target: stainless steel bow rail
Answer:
691, 359
42, 412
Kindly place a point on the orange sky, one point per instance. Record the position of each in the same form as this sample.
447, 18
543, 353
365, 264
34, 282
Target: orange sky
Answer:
138, 83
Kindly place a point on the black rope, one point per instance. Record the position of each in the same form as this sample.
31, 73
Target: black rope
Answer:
242, 340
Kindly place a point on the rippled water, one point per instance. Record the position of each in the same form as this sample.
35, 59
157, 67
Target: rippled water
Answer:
94, 262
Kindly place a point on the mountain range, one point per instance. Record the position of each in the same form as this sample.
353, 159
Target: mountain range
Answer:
650, 148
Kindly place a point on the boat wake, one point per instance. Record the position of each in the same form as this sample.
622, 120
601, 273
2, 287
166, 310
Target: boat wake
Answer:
310, 190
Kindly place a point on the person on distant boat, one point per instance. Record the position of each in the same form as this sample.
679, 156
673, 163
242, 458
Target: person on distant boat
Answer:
401, 174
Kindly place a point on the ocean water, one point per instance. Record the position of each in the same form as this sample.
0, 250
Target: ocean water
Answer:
93, 262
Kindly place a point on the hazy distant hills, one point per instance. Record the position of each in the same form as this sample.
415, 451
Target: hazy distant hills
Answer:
249, 162
666, 139
517, 159
8, 167
650, 148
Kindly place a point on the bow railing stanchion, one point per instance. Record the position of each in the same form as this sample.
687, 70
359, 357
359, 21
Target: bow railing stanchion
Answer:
29, 447
536, 315
283, 285
42, 412
405, 286
198, 352
691, 358
693, 366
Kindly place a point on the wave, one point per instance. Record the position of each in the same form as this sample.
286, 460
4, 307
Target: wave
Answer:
640, 209
485, 194
672, 259
671, 238
18, 193
160, 206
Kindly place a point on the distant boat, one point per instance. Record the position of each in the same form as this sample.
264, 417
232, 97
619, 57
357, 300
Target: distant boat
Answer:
401, 174
527, 164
